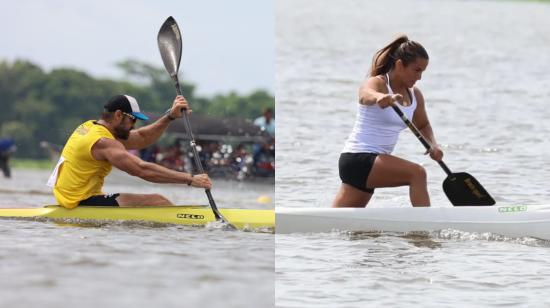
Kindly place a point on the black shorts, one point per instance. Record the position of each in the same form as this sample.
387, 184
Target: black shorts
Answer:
100, 200
354, 169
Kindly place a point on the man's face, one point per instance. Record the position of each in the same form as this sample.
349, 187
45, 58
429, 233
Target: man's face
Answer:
122, 130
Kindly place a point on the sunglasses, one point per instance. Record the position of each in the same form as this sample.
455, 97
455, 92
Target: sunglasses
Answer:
131, 116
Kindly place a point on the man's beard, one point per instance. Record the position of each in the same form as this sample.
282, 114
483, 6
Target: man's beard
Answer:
121, 133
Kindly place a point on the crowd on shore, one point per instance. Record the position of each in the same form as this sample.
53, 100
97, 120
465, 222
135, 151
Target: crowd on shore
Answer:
238, 160
242, 161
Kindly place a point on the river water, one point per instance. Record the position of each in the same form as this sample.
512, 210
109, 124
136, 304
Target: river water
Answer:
118, 265
486, 90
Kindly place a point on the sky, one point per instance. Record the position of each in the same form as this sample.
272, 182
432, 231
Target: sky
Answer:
227, 45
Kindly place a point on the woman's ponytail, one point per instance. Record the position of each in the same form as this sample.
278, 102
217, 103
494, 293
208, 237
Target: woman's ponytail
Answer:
400, 49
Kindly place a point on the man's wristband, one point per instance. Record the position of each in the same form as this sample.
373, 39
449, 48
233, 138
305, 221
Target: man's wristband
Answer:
190, 180
171, 118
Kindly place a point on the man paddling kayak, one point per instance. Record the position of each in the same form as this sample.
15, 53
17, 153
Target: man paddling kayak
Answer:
95, 146
366, 162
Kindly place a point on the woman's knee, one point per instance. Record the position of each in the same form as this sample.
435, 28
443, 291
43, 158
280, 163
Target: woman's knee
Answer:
418, 173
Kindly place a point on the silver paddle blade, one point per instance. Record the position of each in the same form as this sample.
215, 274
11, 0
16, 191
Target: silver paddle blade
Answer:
169, 41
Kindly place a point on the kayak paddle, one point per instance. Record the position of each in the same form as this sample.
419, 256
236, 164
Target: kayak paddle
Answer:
461, 188
169, 42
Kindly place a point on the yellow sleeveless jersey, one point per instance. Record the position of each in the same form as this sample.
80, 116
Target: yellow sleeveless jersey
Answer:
79, 175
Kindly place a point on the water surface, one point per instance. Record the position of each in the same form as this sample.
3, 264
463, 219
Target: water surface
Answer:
118, 264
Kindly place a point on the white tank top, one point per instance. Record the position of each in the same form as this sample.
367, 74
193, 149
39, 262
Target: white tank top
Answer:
376, 130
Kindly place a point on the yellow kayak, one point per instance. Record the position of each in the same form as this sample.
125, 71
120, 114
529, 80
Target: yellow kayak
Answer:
183, 215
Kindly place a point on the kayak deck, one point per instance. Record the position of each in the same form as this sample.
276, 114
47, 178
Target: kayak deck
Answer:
512, 221
184, 215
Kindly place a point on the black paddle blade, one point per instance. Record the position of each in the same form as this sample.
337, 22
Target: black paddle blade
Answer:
462, 189
169, 41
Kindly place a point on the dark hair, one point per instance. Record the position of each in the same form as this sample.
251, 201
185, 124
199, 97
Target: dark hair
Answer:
107, 116
400, 49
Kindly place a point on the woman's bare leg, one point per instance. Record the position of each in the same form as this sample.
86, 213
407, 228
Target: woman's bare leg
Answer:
349, 196
391, 171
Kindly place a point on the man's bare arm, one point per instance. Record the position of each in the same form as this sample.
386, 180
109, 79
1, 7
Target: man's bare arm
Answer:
147, 135
115, 153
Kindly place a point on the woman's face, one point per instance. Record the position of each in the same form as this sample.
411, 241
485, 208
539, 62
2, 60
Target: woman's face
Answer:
412, 72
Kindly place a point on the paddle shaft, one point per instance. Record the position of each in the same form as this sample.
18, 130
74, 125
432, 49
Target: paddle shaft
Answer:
198, 163
461, 188
418, 135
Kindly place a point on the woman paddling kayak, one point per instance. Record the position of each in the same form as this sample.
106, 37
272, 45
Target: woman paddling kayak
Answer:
366, 162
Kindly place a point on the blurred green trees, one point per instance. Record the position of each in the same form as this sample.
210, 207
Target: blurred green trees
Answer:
37, 105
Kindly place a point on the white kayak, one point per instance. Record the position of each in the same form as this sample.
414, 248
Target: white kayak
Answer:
511, 221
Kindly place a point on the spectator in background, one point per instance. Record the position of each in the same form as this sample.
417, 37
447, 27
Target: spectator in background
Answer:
264, 159
266, 122
7, 148
173, 157
54, 150
150, 153
241, 161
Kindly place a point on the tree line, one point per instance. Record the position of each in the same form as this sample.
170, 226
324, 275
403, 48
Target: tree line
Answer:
37, 105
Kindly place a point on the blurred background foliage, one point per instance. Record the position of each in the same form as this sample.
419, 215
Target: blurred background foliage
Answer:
37, 105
